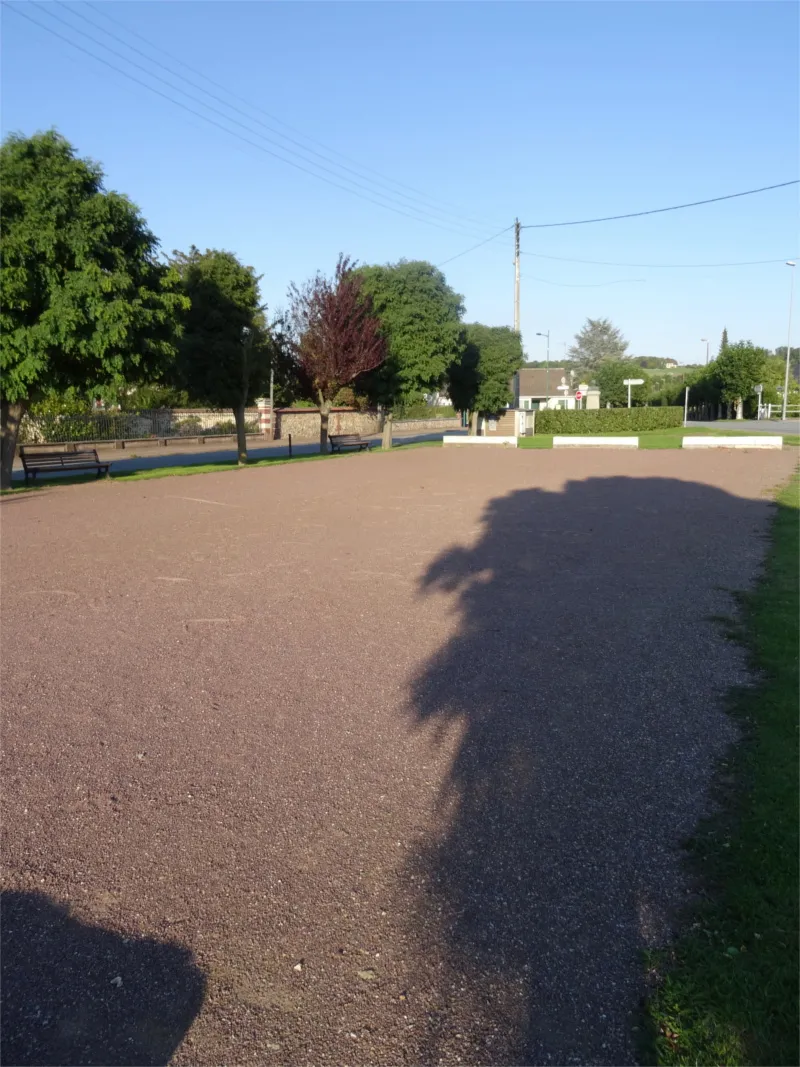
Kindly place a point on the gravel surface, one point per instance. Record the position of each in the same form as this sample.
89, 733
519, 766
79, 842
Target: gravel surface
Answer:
384, 761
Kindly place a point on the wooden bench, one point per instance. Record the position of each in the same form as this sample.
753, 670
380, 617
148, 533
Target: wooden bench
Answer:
34, 463
341, 441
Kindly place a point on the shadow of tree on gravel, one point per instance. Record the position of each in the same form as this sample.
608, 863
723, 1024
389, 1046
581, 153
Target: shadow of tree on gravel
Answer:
587, 681
62, 1002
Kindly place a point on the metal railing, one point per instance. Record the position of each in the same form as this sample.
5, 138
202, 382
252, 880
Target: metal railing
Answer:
131, 425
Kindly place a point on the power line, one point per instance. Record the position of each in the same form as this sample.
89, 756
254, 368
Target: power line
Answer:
219, 125
429, 205
660, 210
176, 59
582, 285
655, 266
479, 245
248, 129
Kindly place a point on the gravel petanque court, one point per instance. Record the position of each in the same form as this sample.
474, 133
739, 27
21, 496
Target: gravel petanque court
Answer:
379, 760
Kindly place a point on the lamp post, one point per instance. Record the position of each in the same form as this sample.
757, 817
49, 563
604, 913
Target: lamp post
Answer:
789, 263
547, 370
703, 340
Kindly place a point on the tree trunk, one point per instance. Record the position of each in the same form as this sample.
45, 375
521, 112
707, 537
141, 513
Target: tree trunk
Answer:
474, 427
241, 435
740, 408
324, 412
386, 441
11, 417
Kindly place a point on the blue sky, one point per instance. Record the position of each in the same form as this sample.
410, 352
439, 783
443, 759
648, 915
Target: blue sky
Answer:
546, 111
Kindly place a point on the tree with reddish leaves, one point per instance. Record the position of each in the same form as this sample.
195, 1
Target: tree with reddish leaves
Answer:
336, 334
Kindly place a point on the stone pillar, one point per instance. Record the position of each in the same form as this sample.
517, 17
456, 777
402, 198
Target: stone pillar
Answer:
265, 426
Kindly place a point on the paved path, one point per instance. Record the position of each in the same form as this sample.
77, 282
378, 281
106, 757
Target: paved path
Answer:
146, 456
376, 762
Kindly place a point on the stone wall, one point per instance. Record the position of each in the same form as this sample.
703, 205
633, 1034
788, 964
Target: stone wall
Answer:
444, 425
304, 423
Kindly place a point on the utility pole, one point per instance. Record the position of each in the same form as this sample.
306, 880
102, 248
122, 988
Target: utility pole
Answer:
517, 229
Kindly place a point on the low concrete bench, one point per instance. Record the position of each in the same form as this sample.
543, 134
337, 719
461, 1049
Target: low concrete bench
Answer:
760, 440
594, 441
471, 439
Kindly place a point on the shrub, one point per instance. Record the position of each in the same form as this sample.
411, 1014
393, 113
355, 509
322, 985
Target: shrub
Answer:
345, 398
608, 420
422, 411
189, 426
228, 426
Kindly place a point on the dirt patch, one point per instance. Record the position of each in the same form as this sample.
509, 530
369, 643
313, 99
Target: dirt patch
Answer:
437, 717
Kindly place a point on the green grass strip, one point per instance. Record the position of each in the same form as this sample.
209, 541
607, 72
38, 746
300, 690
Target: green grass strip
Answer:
670, 438
186, 469
728, 991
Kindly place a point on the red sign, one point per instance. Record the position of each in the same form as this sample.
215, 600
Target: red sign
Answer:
578, 395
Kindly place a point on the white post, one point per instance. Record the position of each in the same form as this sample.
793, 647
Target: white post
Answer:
629, 394
789, 263
685, 407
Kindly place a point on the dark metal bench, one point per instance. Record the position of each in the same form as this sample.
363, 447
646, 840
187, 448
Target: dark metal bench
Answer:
341, 441
34, 463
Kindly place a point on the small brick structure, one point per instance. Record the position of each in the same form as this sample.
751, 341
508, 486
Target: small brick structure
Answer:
503, 424
264, 416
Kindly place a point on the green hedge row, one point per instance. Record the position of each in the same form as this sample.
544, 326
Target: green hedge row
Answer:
608, 420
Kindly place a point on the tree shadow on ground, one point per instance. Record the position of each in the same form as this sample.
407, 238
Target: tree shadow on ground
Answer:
585, 684
63, 1003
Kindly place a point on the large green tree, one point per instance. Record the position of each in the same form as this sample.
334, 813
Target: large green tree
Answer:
225, 352
611, 376
598, 340
420, 316
84, 301
481, 379
739, 369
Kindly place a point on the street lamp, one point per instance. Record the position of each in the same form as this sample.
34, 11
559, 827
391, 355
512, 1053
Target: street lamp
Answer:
789, 263
547, 370
704, 341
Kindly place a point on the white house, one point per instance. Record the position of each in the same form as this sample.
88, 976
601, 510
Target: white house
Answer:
541, 387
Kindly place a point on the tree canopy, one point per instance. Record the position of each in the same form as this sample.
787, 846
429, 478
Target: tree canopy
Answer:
611, 375
480, 379
84, 300
224, 354
337, 336
420, 316
739, 369
597, 341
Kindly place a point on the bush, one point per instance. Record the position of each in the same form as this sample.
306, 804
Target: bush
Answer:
345, 398
228, 426
608, 420
422, 411
190, 426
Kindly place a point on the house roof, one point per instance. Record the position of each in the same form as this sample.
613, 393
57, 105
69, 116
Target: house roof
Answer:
538, 381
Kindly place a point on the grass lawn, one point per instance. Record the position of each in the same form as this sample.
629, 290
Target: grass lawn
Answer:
197, 468
652, 438
728, 989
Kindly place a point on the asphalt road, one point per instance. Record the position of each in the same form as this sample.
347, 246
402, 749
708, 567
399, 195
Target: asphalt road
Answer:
377, 762
776, 426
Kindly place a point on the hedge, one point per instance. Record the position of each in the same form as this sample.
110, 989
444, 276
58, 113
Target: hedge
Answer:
608, 420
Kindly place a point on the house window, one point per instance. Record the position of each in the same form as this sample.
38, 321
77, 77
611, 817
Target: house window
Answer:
526, 404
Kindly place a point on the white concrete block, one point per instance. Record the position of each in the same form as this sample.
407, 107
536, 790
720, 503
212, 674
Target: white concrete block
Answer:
458, 439
760, 440
595, 441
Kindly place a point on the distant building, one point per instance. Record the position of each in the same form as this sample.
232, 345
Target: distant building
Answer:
670, 363
538, 387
